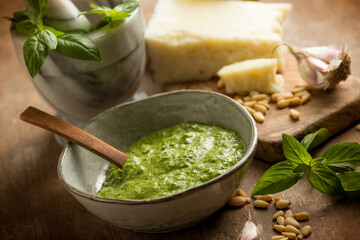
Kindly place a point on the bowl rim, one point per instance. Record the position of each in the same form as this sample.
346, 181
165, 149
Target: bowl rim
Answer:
250, 152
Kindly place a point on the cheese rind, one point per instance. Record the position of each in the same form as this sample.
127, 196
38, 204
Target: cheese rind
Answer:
251, 75
191, 39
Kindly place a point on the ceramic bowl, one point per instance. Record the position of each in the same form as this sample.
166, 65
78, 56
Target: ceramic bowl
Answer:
83, 173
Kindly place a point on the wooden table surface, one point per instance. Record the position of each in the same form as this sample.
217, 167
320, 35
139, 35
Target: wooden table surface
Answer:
34, 204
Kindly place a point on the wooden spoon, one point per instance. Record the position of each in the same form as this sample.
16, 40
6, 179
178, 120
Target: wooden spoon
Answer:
74, 134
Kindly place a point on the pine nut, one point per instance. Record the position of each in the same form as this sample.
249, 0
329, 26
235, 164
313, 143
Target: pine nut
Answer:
294, 114
258, 116
252, 93
302, 93
281, 204
248, 200
258, 97
283, 103
279, 228
260, 108
287, 95
261, 204
237, 201
295, 101
306, 230
288, 213
357, 127
238, 99
298, 89
265, 103
277, 237
249, 104
278, 214
302, 216
274, 97
293, 229
305, 98
291, 221
241, 192
276, 199
290, 235
267, 197
250, 110
247, 98
280, 220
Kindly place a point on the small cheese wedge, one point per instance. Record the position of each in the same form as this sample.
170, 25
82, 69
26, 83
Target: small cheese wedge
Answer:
251, 75
191, 39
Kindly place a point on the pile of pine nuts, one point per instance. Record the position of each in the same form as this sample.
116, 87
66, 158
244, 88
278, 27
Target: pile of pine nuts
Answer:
257, 104
287, 223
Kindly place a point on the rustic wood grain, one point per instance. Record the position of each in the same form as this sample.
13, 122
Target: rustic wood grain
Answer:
34, 204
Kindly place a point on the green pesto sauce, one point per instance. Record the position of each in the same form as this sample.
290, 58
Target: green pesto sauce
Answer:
173, 159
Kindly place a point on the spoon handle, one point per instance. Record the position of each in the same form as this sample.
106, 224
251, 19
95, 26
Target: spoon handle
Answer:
74, 134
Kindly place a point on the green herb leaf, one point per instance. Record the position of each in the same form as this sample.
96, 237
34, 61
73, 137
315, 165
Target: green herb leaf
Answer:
119, 12
313, 140
294, 152
301, 168
18, 17
35, 53
35, 9
127, 6
350, 181
342, 157
276, 179
54, 31
48, 38
27, 27
324, 180
114, 16
78, 46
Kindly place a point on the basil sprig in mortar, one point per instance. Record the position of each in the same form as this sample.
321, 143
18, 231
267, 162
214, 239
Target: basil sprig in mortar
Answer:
73, 44
332, 173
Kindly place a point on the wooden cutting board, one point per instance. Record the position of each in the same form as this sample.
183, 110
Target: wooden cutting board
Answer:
334, 110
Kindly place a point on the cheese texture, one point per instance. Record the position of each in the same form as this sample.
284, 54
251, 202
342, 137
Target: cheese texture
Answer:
192, 39
251, 75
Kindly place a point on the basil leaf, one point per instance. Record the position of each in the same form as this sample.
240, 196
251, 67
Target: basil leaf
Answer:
35, 9
35, 53
313, 140
48, 38
96, 11
127, 6
276, 179
118, 15
54, 31
294, 152
18, 17
342, 157
27, 27
78, 46
301, 168
324, 180
350, 181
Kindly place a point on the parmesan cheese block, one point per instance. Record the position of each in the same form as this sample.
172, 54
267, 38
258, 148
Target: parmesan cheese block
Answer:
192, 39
251, 75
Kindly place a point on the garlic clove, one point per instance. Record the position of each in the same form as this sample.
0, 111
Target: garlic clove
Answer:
324, 53
322, 67
250, 231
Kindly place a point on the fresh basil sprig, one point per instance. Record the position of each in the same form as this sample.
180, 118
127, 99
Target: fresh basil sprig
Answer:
322, 173
43, 38
110, 15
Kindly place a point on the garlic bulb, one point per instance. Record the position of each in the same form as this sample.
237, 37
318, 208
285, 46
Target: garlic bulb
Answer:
322, 67
250, 231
